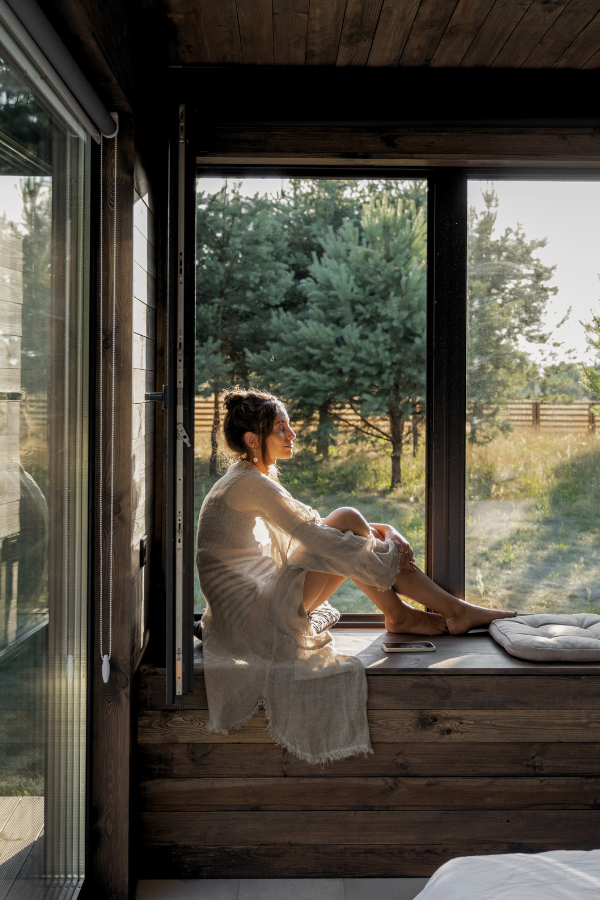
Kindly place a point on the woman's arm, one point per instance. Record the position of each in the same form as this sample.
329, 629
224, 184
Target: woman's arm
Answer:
383, 532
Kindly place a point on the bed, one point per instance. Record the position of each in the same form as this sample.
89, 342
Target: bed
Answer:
555, 875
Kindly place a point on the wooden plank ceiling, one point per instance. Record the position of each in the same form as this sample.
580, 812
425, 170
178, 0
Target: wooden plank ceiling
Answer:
442, 33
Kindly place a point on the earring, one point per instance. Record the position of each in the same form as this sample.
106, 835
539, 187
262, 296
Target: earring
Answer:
255, 459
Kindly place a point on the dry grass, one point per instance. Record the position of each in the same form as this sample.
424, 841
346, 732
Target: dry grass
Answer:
533, 528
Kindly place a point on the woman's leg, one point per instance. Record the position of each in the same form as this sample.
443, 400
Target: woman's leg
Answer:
399, 616
414, 584
318, 587
460, 616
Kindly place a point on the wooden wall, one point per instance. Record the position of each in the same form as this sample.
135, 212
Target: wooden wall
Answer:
463, 765
108, 870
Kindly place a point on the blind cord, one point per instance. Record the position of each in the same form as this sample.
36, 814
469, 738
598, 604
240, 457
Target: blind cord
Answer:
106, 657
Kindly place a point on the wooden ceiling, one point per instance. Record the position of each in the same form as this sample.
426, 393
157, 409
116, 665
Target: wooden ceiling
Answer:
439, 33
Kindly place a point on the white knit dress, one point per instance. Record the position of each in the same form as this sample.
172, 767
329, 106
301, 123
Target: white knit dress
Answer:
255, 545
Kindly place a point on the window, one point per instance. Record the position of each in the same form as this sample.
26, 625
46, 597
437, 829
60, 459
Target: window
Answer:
315, 289
43, 476
532, 442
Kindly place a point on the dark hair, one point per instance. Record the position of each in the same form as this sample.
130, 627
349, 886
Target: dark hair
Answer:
249, 410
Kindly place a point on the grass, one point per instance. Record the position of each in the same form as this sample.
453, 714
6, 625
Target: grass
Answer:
542, 552
532, 529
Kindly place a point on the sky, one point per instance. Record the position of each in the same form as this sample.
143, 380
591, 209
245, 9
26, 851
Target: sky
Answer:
11, 203
567, 213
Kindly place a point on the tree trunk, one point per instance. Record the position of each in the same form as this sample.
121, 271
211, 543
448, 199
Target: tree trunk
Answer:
214, 444
323, 433
415, 430
396, 434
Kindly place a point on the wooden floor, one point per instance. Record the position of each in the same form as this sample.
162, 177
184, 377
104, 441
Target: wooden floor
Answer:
475, 752
22, 848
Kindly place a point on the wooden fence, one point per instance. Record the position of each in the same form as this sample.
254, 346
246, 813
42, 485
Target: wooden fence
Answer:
565, 418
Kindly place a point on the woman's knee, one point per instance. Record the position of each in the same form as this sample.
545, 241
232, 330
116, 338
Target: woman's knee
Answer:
346, 518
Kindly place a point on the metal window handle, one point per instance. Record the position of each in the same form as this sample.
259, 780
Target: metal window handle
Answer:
160, 396
182, 434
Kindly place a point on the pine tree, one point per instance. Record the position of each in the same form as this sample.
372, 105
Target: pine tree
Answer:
240, 278
307, 209
507, 295
590, 375
361, 340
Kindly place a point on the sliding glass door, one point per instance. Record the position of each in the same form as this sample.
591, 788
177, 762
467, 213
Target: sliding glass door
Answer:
44, 156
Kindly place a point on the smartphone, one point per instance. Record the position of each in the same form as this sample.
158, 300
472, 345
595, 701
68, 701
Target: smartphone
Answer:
408, 647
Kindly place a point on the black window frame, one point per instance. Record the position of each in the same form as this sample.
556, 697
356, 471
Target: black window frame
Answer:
447, 214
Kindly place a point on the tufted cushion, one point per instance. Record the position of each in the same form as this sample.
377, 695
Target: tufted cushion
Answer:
573, 638
323, 617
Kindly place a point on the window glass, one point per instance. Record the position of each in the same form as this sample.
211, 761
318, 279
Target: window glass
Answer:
43, 491
533, 390
316, 290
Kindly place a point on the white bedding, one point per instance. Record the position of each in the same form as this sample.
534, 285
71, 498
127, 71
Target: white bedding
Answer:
556, 875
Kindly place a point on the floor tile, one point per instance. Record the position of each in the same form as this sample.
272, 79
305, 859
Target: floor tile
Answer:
383, 888
291, 889
196, 889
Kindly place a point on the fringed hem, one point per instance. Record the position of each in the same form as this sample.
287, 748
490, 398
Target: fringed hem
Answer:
319, 759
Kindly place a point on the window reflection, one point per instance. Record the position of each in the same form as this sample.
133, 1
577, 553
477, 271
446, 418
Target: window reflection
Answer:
43, 447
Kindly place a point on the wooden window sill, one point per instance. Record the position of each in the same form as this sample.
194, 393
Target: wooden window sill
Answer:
475, 653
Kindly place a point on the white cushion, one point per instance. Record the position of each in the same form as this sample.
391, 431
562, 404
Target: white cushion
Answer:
573, 638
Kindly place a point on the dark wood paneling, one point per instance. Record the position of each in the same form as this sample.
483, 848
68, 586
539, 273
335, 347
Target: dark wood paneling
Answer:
360, 22
191, 42
449, 828
367, 793
532, 27
583, 47
392, 726
222, 30
324, 29
290, 26
111, 722
400, 145
395, 21
571, 22
269, 760
330, 861
416, 692
427, 30
499, 24
255, 18
462, 30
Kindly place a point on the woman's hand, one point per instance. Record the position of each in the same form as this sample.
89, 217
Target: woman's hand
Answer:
383, 532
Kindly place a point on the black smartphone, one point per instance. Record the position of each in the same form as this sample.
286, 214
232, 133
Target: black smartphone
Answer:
408, 647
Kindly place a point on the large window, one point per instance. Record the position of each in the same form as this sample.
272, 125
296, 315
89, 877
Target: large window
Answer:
533, 423
43, 487
316, 290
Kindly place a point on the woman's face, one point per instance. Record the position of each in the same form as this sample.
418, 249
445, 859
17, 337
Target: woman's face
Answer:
280, 443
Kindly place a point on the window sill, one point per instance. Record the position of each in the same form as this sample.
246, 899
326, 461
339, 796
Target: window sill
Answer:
475, 653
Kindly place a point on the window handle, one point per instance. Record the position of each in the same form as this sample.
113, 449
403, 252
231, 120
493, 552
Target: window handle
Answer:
160, 396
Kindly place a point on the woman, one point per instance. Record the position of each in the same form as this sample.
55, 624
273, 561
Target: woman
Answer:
265, 561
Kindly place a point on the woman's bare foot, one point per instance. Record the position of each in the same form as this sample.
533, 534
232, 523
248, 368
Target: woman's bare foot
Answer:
471, 616
409, 620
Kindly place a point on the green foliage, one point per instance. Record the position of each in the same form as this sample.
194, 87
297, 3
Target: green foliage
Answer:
26, 128
360, 340
507, 295
561, 383
240, 278
590, 375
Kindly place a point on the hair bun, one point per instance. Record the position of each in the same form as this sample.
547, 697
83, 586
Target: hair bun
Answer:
233, 398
